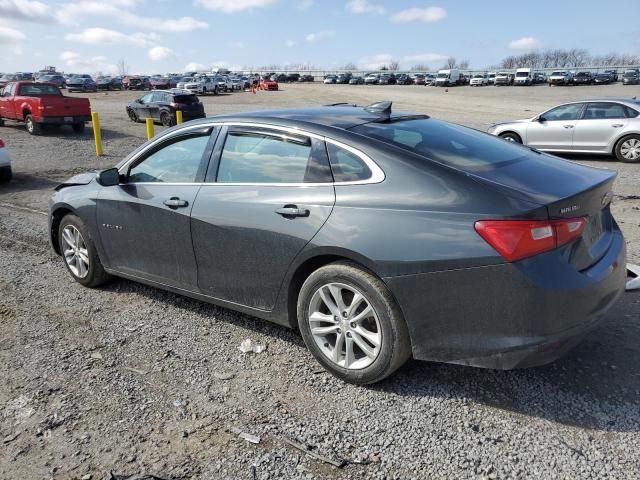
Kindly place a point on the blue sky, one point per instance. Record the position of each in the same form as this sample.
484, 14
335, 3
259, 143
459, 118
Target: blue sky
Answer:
176, 35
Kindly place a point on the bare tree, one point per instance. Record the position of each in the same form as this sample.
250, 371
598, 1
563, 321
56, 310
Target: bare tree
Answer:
122, 67
421, 67
394, 65
463, 65
450, 63
350, 66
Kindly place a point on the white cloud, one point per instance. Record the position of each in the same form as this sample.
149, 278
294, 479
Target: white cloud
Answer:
24, 10
290, 43
74, 62
101, 36
232, 6
158, 54
427, 15
525, 43
11, 35
312, 37
375, 62
363, 6
196, 67
70, 13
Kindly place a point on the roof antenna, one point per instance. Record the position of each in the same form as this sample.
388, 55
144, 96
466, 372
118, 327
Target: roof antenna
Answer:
382, 108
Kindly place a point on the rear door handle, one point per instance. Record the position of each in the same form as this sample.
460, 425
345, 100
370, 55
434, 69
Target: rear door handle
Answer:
292, 211
617, 125
568, 126
175, 202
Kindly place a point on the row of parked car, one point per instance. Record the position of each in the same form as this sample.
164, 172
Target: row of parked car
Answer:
522, 76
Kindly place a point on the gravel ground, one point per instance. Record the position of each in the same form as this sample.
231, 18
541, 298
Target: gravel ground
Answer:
128, 379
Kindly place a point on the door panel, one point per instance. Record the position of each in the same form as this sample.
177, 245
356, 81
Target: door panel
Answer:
551, 135
144, 237
600, 124
243, 247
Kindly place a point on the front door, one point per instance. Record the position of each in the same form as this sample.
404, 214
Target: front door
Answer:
144, 222
599, 125
271, 194
554, 129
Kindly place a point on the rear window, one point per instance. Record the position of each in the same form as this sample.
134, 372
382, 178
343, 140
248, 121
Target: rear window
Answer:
186, 99
39, 89
449, 144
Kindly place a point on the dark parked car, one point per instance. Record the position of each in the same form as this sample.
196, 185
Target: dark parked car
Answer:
631, 78
160, 83
418, 79
613, 73
343, 78
81, 84
58, 80
387, 79
293, 77
307, 78
583, 78
356, 80
136, 83
108, 83
162, 105
602, 78
379, 235
404, 79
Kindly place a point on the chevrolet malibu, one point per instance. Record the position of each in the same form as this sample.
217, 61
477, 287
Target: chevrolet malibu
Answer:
607, 126
379, 235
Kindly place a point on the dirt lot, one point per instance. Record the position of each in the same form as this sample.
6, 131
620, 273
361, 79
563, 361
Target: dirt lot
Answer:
128, 380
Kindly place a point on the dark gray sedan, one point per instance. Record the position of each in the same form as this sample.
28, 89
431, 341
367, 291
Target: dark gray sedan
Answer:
379, 235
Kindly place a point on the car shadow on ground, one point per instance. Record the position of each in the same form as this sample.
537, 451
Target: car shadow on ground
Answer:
596, 386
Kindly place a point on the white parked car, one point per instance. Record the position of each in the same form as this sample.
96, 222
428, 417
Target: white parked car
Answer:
479, 80
183, 81
236, 83
5, 163
224, 83
608, 126
202, 86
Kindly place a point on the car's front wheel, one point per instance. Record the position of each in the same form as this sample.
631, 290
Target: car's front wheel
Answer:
133, 116
628, 149
351, 323
79, 252
511, 137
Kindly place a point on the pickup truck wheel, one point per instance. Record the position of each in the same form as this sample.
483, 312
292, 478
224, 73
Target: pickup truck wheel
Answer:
215, 91
33, 127
5, 174
204, 90
78, 127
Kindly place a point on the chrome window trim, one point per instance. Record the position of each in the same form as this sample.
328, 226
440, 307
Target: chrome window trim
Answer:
377, 174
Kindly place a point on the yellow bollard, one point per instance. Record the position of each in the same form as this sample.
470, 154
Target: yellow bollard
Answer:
97, 135
150, 132
178, 117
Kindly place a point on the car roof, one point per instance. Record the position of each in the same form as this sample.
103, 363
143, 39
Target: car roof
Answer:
338, 116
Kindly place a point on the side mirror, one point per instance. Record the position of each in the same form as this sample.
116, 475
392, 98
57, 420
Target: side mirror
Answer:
541, 119
109, 177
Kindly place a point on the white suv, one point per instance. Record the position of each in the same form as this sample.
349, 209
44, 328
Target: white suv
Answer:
202, 86
479, 80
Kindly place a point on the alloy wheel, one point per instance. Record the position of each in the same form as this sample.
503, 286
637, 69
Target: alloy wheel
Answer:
345, 326
75, 251
630, 149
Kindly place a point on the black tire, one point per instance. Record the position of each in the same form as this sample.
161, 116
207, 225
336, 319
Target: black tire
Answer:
165, 119
95, 275
510, 136
5, 174
78, 127
215, 91
33, 127
133, 116
618, 149
395, 345
204, 90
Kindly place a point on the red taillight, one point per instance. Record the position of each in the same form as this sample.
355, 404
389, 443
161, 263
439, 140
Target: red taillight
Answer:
1, 143
518, 239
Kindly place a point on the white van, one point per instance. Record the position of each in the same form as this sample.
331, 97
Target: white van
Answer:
524, 76
447, 77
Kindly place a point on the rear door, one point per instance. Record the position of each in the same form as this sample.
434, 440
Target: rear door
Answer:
265, 198
144, 222
600, 124
554, 130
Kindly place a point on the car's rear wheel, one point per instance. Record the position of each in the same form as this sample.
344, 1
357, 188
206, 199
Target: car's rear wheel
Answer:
33, 127
165, 119
5, 174
628, 149
351, 323
511, 137
78, 127
133, 116
79, 253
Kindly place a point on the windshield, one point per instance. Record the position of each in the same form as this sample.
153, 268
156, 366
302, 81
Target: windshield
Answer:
478, 76
502, 74
39, 90
582, 74
522, 74
630, 75
460, 147
443, 75
559, 74
186, 99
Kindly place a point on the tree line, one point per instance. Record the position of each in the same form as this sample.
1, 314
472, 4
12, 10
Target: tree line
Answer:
574, 57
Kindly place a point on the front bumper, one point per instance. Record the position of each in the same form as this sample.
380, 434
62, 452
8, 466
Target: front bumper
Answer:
70, 120
509, 315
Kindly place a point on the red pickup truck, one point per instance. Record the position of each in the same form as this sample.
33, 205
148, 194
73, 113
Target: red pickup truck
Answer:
38, 104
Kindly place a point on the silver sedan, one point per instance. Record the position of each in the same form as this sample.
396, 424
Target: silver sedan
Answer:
608, 126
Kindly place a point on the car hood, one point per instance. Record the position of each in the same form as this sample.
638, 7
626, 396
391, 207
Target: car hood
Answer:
507, 122
80, 179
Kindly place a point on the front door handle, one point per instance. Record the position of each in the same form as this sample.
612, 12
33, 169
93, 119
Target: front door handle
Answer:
292, 211
175, 202
617, 125
568, 126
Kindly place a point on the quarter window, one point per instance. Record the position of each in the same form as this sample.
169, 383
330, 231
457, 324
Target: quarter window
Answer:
252, 157
595, 111
347, 166
177, 162
564, 112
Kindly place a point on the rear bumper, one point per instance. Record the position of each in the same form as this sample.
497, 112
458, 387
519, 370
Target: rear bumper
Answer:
509, 315
70, 120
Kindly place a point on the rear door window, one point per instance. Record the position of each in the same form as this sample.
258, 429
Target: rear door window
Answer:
603, 110
261, 157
